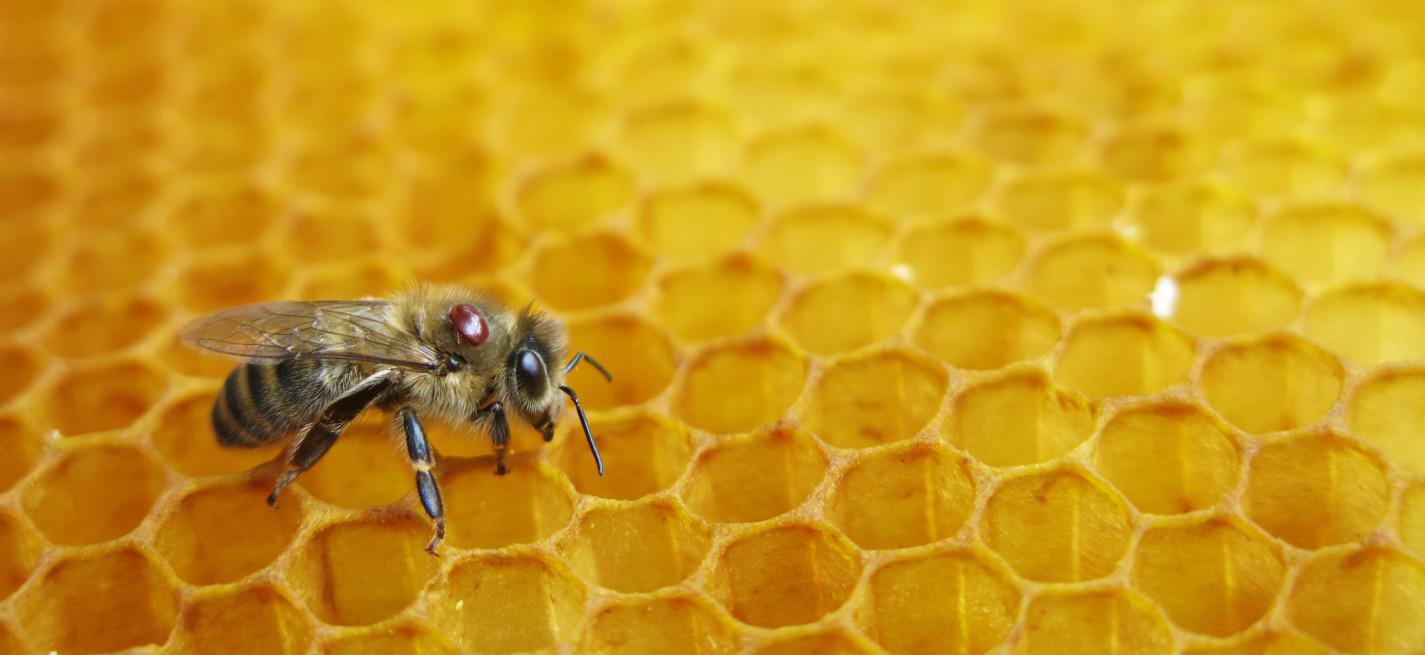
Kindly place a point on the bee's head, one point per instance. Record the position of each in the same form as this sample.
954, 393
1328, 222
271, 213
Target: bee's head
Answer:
534, 371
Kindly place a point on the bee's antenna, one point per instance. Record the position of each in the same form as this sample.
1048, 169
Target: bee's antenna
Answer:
579, 357
584, 422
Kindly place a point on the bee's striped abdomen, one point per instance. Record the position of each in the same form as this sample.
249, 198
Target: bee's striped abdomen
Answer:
261, 403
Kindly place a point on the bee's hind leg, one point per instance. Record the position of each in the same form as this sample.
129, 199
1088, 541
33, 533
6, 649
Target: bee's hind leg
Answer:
419, 450
317, 438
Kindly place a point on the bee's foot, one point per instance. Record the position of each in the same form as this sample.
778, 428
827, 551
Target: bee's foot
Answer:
282, 483
435, 540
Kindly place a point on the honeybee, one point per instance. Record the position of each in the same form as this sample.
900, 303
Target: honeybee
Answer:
441, 351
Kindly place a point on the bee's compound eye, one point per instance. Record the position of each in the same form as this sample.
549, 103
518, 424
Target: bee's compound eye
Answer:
529, 370
470, 324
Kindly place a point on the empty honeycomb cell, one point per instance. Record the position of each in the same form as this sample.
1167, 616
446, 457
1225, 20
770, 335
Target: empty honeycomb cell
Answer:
662, 69
924, 188
1168, 457
738, 386
1275, 382
491, 248
1027, 135
1323, 244
1017, 418
109, 144
1392, 185
61, 610
1186, 217
1060, 200
400, 639
361, 572
544, 119
778, 89
30, 126
1324, 470
184, 438
222, 212
1284, 169
505, 603
359, 279
339, 168
22, 305
372, 449
93, 494
1142, 153
1238, 574
964, 251
823, 642
487, 510
798, 165
675, 625
575, 194
986, 329
903, 497
820, 239
256, 620
754, 477
1386, 411
1057, 526
1093, 270
9, 641
1233, 296
19, 553
114, 197
636, 352
649, 451
21, 445
1408, 262
28, 189
786, 575
1265, 643
1364, 599
96, 328
588, 271
696, 221
446, 205
847, 312
103, 396
1123, 354
724, 298
223, 533
21, 366
332, 235
678, 142
1370, 324
1412, 517
954, 601
216, 281
638, 547
1087, 622
876, 398
895, 120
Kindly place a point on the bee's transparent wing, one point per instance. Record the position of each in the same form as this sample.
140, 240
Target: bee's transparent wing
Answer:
356, 330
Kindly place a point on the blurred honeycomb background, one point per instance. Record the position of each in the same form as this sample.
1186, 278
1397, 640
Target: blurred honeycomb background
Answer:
1031, 327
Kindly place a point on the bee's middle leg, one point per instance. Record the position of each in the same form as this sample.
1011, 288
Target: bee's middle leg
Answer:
421, 460
319, 437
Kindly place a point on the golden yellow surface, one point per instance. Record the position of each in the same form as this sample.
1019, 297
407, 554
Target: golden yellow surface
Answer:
873, 278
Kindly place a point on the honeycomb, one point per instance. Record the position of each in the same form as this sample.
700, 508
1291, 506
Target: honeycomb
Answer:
976, 327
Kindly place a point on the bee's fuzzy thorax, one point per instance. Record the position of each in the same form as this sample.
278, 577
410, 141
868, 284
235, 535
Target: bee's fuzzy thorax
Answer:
486, 374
